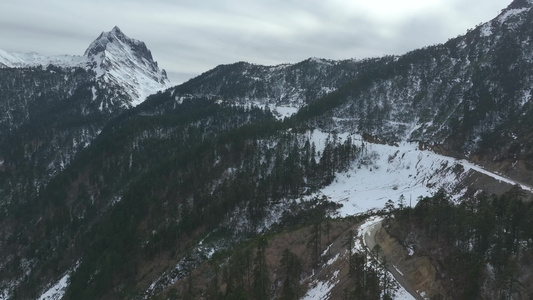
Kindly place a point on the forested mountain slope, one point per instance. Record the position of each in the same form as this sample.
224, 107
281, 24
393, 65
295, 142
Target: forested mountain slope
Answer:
470, 95
53, 107
116, 199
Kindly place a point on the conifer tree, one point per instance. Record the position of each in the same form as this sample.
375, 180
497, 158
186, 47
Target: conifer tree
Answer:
261, 282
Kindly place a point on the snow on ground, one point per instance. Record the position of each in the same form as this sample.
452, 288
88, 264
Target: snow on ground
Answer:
279, 111
319, 138
512, 12
469, 165
322, 289
119, 63
57, 291
4, 294
365, 229
486, 30
389, 172
32, 59
282, 112
402, 294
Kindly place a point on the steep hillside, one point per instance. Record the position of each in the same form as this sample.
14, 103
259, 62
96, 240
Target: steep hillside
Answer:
142, 149
283, 89
107, 196
471, 95
55, 106
480, 249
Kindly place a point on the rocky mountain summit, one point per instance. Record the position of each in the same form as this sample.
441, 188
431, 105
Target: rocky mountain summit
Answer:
117, 62
258, 182
54, 106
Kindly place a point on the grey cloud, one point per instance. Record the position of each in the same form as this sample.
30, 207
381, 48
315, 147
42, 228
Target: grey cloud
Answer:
190, 37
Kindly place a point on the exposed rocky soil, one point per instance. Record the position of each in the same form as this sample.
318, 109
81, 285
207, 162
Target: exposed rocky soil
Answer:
417, 272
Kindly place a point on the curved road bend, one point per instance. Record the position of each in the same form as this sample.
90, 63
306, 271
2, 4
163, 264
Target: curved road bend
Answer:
370, 243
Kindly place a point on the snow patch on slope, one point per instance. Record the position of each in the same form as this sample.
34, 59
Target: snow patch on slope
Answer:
509, 13
486, 30
322, 289
32, 59
403, 171
280, 112
57, 291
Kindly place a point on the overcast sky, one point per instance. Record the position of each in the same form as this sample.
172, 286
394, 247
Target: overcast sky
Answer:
188, 37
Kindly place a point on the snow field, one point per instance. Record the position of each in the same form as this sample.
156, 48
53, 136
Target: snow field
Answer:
394, 172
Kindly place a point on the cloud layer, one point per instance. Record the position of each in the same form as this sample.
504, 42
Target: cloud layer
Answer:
190, 37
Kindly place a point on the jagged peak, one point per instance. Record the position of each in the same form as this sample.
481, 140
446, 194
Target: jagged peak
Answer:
118, 38
116, 30
127, 62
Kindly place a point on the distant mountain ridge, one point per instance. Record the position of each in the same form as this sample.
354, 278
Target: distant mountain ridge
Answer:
54, 106
119, 202
456, 93
116, 60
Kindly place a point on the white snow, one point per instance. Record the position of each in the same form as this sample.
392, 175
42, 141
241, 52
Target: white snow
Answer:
117, 64
319, 138
120, 65
279, 111
365, 228
398, 270
526, 97
469, 165
486, 30
388, 172
93, 90
284, 111
322, 289
57, 291
32, 59
402, 294
333, 259
4, 294
512, 12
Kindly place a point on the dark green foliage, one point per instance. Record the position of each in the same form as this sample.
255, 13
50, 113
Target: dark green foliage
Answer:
368, 275
484, 230
292, 269
261, 278
171, 169
369, 279
167, 178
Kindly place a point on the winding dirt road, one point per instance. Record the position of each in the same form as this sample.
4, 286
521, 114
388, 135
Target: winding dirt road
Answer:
369, 241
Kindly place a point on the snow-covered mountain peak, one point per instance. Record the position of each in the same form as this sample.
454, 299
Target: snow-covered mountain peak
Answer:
118, 59
117, 40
